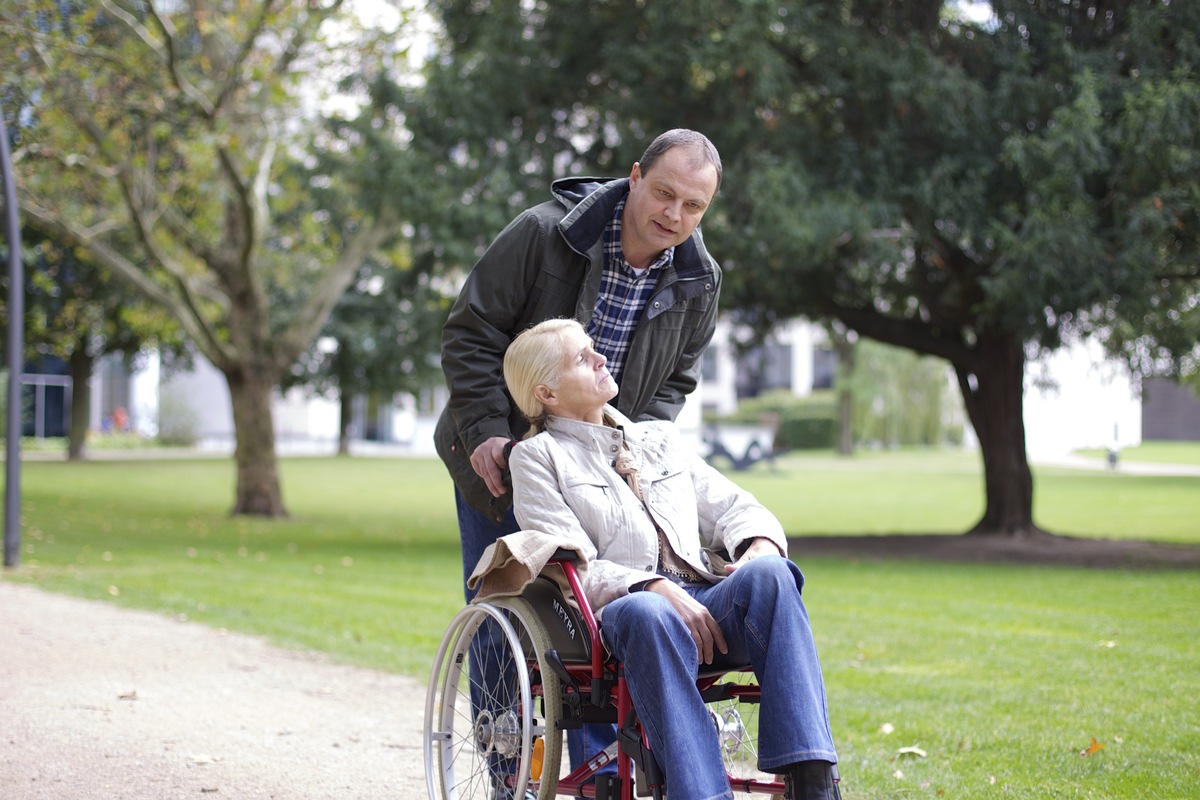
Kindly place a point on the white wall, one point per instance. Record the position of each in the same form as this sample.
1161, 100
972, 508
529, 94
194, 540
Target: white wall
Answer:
143, 397
299, 417
1075, 398
205, 393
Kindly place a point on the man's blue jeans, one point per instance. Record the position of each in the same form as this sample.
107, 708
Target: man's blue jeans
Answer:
477, 532
766, 625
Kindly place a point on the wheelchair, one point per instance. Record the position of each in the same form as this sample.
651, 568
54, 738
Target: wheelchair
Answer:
541, 669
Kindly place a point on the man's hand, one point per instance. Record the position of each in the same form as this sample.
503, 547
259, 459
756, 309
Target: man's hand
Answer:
488, 462
705, 630
757, 548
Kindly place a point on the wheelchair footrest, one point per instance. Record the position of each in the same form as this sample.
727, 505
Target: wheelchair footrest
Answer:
649, 777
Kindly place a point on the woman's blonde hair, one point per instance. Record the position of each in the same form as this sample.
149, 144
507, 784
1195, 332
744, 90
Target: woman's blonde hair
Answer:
535, 358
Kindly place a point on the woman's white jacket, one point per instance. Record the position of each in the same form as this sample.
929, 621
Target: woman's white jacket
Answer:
564, 483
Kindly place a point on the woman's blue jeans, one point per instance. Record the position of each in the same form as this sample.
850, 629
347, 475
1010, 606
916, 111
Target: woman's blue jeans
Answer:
766, 625
477, 532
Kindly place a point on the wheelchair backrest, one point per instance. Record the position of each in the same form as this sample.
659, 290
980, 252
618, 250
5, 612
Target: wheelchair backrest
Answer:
564, 624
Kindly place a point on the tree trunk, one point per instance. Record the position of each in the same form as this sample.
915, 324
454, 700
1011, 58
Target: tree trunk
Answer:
80, 365
843, 349
345, 417
994, 398
258, 490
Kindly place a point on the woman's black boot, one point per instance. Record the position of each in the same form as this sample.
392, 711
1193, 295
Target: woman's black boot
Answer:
812, 780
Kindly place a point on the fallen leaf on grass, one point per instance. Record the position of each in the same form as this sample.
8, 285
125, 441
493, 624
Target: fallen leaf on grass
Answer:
911, 751
1092, 749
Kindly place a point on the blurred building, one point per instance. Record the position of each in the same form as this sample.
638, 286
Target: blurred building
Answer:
1074, 398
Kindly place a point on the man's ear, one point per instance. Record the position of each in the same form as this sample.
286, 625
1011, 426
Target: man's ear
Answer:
545, 395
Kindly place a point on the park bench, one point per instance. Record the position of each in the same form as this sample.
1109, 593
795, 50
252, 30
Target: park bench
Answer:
742, 446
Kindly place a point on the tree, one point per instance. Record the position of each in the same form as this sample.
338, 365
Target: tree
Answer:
78, 312
967, 191
172, 126
382, 339
898, 397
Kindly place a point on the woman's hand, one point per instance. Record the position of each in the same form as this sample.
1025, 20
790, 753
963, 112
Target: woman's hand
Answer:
706, 633
757, 548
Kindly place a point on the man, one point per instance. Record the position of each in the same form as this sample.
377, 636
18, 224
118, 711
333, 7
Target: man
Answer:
624, 257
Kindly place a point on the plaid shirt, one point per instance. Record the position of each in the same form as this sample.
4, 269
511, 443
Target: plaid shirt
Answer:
623, 294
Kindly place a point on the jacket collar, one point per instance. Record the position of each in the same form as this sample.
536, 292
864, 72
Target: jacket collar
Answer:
602, 439
591, 203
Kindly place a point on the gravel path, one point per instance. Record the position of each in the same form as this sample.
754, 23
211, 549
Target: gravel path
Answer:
101, 702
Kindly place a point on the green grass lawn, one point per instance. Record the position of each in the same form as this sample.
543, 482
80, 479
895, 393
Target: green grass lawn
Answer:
1001, 675
1155, 453
923, 491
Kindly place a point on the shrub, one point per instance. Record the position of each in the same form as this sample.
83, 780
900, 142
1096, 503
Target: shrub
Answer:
800, 423
806, 433
178, 422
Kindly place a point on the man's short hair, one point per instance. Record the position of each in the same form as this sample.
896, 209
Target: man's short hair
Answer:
682, 137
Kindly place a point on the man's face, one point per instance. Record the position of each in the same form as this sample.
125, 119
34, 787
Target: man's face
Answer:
665, 204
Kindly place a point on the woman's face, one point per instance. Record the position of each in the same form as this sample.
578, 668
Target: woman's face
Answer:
584, 385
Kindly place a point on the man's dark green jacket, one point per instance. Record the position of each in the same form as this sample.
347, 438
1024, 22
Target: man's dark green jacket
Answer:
547, 264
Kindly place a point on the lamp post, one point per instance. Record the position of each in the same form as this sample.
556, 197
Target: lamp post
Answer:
16, 359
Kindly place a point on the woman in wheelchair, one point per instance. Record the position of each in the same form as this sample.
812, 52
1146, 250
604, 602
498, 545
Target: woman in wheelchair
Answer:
653, 521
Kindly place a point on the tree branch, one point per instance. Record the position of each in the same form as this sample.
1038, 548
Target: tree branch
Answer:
233, 73
912, 334
308, 321
90, 239
166, 52
302, 34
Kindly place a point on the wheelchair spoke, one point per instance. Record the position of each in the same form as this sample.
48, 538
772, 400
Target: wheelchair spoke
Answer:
481, 725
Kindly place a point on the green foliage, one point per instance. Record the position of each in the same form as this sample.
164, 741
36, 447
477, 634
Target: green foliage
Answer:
800, 423
71, 302
901, 398
777, 403
182, 146
178, 422
382, 336
806, 433
953, 188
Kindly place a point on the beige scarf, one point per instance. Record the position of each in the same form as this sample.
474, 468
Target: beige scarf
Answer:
669, 562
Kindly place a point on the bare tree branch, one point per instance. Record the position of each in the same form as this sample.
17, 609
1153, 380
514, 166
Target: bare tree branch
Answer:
309, 319
189, 317
165, 51
233, 73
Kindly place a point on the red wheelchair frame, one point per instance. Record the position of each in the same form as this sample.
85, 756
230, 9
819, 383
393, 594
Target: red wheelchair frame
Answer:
565, 670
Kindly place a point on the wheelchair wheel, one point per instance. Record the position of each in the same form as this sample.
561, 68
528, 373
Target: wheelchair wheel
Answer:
736, 721
505, 743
